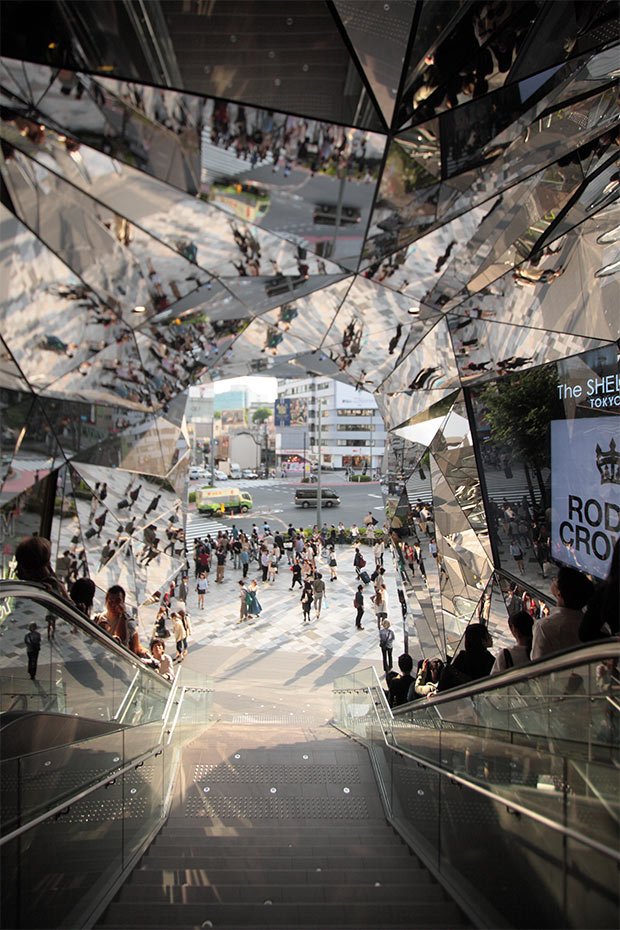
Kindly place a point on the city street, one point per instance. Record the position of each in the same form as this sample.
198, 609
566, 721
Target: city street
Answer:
274, 501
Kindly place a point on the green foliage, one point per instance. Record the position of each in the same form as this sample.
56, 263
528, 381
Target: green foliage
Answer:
360, 478
261, 415
519, 409
192, 497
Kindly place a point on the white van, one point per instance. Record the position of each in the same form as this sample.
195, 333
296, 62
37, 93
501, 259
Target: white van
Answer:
235, 470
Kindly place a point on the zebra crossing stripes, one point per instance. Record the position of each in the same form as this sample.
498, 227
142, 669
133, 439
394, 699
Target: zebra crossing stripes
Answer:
218, 162
201, 526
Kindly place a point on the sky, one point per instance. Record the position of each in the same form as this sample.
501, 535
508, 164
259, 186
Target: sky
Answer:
258, 388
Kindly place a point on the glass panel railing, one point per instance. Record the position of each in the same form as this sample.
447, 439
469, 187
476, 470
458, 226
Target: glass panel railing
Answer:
58, 871
80, 671
539, 750
79, 811
67, 862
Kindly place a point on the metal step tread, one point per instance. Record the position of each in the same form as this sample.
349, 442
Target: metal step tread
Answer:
283, 892
393, 874
350, 914
322, 859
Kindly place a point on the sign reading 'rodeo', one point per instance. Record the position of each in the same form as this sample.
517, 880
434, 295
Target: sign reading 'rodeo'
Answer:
585, 492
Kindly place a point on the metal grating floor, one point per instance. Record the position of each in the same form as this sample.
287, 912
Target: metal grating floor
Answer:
352, 808
278, 774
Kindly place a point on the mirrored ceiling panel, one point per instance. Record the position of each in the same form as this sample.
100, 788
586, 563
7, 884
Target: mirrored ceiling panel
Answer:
286, 59
53, 322
496, 349
379, 34
11, 377
112, 116
551, 291
489, 46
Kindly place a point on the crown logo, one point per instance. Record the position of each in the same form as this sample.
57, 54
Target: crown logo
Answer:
608, 464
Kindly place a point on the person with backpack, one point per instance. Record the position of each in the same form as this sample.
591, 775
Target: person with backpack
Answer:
386, 643
33, 647
359, 562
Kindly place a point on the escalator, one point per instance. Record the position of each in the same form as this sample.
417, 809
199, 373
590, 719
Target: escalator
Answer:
508, 788
501, 798
90, 751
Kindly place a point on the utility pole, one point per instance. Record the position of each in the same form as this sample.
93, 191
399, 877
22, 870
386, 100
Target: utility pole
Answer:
320, 462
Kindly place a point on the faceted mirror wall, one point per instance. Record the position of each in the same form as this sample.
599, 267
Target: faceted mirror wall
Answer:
418, 199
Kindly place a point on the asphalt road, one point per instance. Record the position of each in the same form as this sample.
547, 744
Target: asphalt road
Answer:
274, 501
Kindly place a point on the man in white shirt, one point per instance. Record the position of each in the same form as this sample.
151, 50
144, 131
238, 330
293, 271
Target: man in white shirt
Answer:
560, 630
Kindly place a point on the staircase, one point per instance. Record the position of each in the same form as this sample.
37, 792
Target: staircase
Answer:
278, 825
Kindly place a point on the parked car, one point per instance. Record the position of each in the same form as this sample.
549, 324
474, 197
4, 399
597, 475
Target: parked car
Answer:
249, 473
327, 214
220, 475
198, 472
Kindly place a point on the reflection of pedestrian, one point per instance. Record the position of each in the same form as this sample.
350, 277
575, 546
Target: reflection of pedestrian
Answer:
153, 505
33, 647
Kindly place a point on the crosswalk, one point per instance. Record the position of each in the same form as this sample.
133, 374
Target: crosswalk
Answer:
200, 527
218, 162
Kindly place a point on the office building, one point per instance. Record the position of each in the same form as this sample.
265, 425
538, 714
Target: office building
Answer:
352, 431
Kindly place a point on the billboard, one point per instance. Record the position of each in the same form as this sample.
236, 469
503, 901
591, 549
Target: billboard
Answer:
585, 492
290, 411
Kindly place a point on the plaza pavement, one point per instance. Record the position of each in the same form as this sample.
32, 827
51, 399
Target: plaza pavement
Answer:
276, 664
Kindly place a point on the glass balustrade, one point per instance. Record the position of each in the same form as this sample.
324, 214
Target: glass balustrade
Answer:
78, 811
538, 750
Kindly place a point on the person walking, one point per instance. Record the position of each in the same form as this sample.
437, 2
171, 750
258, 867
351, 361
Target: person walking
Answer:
306, 602
185, 620
265, 560
202, 586
243, 603
358, 603
379, 606
33, 647
386, 643
180, 636
254, 606
333, 565
359, 562
318, 591
272, 571
296, 570
245, 561
220, 556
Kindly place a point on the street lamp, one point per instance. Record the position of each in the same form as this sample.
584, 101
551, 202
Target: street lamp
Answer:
320, 462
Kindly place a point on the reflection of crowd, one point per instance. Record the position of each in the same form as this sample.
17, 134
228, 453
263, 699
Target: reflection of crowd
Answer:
289, 142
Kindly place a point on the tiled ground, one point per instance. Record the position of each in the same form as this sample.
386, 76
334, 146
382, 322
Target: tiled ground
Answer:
280, 625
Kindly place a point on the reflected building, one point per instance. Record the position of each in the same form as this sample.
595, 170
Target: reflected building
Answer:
417, 199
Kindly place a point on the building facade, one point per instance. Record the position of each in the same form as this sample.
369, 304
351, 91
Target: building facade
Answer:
330, 417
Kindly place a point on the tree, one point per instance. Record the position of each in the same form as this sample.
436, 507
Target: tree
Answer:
519, 410
261, 415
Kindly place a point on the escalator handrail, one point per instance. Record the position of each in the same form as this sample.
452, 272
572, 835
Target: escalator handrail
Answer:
510, 805
567, 660
68, 611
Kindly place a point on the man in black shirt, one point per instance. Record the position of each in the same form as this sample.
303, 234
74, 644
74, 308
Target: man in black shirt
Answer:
358, 603
400, 686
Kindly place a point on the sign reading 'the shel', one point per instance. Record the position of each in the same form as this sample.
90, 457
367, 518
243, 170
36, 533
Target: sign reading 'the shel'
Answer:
585, 492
